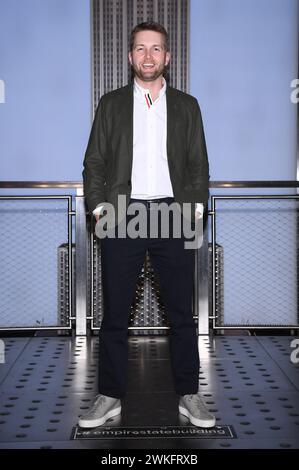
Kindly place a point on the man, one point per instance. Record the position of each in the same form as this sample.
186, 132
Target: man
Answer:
147, 143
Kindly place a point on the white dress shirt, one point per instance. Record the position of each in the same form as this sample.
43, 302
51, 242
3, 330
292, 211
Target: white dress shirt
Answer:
150, 173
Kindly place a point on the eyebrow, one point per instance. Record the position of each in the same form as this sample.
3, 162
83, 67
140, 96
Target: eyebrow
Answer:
154, 45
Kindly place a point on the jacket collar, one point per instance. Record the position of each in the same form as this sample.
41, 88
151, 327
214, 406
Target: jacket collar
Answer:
140, 92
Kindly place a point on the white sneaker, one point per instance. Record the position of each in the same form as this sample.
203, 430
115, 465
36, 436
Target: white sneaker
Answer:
102, 409
195, 409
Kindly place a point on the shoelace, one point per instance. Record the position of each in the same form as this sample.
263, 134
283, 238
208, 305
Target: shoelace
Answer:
198, 401
98, 401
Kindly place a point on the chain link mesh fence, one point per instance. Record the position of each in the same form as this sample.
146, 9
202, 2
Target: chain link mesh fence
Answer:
31, 230
259, 245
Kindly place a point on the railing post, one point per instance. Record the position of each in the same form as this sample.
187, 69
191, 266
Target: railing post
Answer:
81, 265
201, 292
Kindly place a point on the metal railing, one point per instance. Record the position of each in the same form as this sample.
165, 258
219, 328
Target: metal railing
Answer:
269, 225
82, 318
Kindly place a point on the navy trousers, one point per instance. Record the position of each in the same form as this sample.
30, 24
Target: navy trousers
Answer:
122, 260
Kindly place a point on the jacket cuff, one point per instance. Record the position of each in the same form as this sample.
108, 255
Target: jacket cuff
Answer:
199, 208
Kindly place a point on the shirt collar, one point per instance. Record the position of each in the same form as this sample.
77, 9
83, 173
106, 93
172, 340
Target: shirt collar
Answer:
142, 93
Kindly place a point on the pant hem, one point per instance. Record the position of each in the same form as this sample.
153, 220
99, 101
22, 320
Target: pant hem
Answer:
188, 392
112, 394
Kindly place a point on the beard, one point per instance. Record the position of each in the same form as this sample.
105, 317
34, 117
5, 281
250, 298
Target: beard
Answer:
148, 75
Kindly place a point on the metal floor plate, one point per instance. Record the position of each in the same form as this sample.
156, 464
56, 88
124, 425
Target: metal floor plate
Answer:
248, 382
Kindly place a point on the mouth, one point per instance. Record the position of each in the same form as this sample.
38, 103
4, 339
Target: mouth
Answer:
148, 66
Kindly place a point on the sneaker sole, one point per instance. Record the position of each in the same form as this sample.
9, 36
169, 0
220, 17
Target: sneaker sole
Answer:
100, 421
197, 422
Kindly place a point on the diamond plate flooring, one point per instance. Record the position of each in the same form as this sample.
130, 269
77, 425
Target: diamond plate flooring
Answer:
249, 383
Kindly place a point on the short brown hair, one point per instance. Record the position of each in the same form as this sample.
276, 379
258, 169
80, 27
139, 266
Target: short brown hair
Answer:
149, 26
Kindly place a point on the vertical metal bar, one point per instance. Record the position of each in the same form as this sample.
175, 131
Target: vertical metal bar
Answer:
81, 265
178, 20
100, 51
213, 262
297, 105
195, 289
186, 68
92, 312
70, 263
135, 13
125, 42
155, 7
93, 61
165, 17
297, 176
114, 46
202, 285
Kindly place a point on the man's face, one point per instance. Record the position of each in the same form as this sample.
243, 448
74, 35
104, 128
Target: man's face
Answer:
149, 57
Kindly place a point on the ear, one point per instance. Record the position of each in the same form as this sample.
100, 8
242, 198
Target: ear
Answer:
167, 58
130, 57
